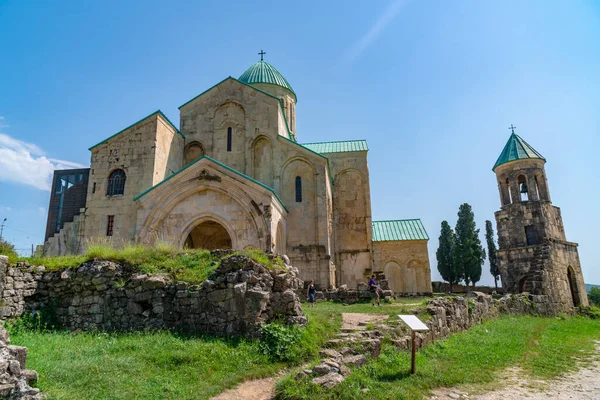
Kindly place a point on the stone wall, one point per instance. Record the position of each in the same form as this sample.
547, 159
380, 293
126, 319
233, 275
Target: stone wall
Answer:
103, 295
405, 264
444, 287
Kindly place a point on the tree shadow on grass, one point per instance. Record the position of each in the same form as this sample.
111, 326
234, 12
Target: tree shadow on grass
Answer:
393, 377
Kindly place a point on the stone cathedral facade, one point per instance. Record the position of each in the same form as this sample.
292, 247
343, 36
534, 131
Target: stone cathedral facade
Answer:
233, 175
534, 255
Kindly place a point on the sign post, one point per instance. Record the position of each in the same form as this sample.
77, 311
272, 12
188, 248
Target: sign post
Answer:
415, 325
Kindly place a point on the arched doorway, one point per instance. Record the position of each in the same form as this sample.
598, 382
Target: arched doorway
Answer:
523, 284
573, 286
209, 235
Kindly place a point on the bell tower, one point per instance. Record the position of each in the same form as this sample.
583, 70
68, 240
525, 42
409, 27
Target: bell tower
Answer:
534, 255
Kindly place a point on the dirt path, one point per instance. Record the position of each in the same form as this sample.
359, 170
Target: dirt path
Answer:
583, 384
359, 321
259, 389
264, 389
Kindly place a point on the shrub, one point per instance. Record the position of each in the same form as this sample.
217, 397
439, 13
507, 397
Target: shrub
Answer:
280, 342
36, 321
8, 249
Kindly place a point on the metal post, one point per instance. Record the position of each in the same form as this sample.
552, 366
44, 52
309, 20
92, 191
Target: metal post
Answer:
2, 228
412, 362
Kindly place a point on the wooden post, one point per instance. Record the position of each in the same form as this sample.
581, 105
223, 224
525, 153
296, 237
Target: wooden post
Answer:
412, 361
415, 325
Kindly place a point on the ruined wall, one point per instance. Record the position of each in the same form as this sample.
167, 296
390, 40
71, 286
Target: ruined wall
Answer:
551, 269
102, 295
14, 377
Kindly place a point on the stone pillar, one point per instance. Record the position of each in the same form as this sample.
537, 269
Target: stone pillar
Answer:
532, 190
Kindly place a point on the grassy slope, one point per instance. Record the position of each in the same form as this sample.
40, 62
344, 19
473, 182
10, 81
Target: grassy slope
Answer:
190, 265
153, 365
543, 347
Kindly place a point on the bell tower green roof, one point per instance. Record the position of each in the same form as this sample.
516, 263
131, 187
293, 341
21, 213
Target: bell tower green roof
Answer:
263, 72
516, 149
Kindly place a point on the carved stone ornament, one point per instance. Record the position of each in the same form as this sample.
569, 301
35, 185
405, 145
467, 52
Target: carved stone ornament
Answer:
267, 209
206, 176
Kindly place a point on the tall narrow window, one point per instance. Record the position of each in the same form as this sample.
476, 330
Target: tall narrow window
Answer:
298, 189
109, 225
116, 183
229, 139
530, 235
94, 188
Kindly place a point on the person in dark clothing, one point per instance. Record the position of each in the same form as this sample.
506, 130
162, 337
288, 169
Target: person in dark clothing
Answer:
310, 294
374, 289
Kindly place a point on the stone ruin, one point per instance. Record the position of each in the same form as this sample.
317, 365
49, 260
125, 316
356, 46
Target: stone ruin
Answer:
14, 377
241, 295
443, 316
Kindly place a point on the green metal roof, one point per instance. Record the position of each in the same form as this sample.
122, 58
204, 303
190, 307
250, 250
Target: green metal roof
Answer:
516, 149
218, 163
135, 123
337, 147
263, 72
404, 229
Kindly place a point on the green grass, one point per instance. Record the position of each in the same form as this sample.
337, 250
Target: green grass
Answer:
190, 265
542, 347
154, 365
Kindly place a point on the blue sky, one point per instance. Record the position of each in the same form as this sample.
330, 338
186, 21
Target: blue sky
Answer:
431, 85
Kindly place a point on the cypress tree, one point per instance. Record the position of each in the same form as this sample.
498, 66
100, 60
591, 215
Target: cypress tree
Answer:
445, 256
492, 256
468, 252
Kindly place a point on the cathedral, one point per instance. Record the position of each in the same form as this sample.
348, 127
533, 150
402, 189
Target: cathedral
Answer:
234, 175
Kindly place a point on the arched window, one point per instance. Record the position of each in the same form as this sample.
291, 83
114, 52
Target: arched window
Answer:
229, 139
298, 189
116, 183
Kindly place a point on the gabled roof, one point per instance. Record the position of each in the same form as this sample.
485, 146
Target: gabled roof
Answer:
404, 229
135, 123
218, 163
281, 108
263, 72
337, 147
516, 149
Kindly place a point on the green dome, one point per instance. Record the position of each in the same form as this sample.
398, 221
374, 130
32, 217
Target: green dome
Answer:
263, 72
516, 149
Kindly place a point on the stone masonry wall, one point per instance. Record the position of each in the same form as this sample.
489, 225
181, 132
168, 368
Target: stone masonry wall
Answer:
103, 295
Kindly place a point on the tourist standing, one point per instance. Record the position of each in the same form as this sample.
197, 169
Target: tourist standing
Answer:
374, 289
310, 293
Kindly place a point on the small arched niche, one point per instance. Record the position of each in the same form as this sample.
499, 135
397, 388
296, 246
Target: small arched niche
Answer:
193, 151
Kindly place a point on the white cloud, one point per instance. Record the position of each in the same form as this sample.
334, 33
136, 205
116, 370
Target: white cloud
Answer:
4, 209
42, 211
371, 36
25, 163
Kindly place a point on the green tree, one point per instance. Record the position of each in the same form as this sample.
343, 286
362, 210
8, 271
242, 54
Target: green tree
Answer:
445, 256
492, 256
594, 295
8, 249
468, 252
